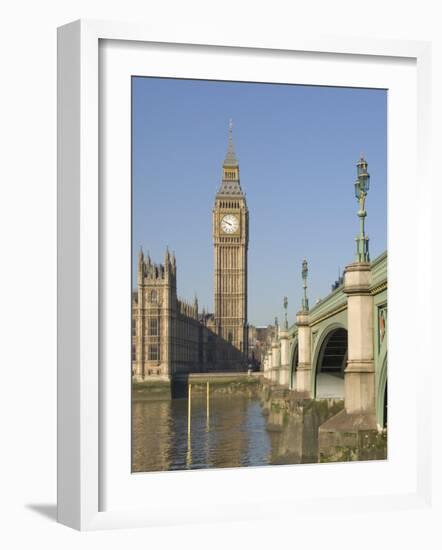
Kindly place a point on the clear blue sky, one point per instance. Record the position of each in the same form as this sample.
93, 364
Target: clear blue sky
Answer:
297, 148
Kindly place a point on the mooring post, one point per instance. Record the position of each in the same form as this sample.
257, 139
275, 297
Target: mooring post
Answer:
189, 409
207, 405
189, 416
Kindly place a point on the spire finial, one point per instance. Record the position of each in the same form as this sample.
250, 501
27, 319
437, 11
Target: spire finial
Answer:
140, 257
230, 159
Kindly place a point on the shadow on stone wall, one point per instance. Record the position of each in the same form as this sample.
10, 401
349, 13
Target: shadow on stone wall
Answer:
293, 425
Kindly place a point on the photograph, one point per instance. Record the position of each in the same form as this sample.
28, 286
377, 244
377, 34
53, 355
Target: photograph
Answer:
259, 274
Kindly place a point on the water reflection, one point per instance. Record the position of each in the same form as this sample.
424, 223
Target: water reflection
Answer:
232, 434
240, 430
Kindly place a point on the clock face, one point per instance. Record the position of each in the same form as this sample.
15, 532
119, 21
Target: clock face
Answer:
230, 223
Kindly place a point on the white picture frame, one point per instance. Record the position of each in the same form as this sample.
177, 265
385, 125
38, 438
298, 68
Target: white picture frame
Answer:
80, 395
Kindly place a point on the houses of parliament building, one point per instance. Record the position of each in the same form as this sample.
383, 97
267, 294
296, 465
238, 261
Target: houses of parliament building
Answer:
171, 336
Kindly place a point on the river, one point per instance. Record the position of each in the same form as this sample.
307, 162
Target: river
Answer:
236, 429
233, 433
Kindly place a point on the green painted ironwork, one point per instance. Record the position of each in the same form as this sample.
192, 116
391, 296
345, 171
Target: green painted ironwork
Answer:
304, 279
362, 185
331, 312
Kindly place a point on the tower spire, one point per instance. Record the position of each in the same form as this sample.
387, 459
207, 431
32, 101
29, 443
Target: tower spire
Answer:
230, 184
230, 159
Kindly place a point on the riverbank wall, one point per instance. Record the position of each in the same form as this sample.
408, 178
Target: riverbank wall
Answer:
219, 383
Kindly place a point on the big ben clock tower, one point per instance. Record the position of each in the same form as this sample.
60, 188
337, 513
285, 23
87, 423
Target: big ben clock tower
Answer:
231, 239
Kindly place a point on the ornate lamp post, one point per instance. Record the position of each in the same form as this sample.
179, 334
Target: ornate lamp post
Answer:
362, 185
285, 303
304, 279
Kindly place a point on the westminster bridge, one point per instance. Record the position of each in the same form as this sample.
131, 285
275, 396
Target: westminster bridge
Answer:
337, 350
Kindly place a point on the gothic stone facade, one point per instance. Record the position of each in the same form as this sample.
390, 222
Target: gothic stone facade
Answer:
170, 336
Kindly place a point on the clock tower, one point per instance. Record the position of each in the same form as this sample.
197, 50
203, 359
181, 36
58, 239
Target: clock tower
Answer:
231, 239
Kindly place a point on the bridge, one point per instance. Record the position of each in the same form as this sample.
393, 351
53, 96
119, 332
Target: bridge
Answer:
338, 349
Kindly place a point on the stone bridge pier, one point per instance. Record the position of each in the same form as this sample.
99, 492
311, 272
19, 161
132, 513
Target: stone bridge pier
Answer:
284, 369
355, 428
359, 373
304, 372
337, 352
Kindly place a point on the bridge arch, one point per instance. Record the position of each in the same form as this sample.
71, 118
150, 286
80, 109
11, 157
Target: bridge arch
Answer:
329, 362
294, 361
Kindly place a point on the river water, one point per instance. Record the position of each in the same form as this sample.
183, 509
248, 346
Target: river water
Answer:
245, 428
232, 433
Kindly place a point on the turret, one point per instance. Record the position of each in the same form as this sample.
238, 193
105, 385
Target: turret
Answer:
140, 265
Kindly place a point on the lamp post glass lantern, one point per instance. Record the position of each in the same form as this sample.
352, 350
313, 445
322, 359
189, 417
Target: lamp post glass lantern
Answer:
304, 279
362, 185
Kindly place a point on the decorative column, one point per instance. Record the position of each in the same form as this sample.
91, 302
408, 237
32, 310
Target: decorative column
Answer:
304, 372
355, 426
362, 185
360, 372
276, 354
284, 340
269, 364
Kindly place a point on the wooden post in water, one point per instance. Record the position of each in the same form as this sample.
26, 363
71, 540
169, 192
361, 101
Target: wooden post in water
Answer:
189, 409
208, 405
189, 416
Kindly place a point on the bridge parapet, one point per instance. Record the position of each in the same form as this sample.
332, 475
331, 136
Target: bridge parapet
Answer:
379, 273
337, 299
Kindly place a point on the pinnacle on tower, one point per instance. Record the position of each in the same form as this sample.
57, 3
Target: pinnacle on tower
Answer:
230, 184
230, 159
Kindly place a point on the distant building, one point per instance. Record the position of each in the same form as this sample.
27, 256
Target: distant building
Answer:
260, 340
